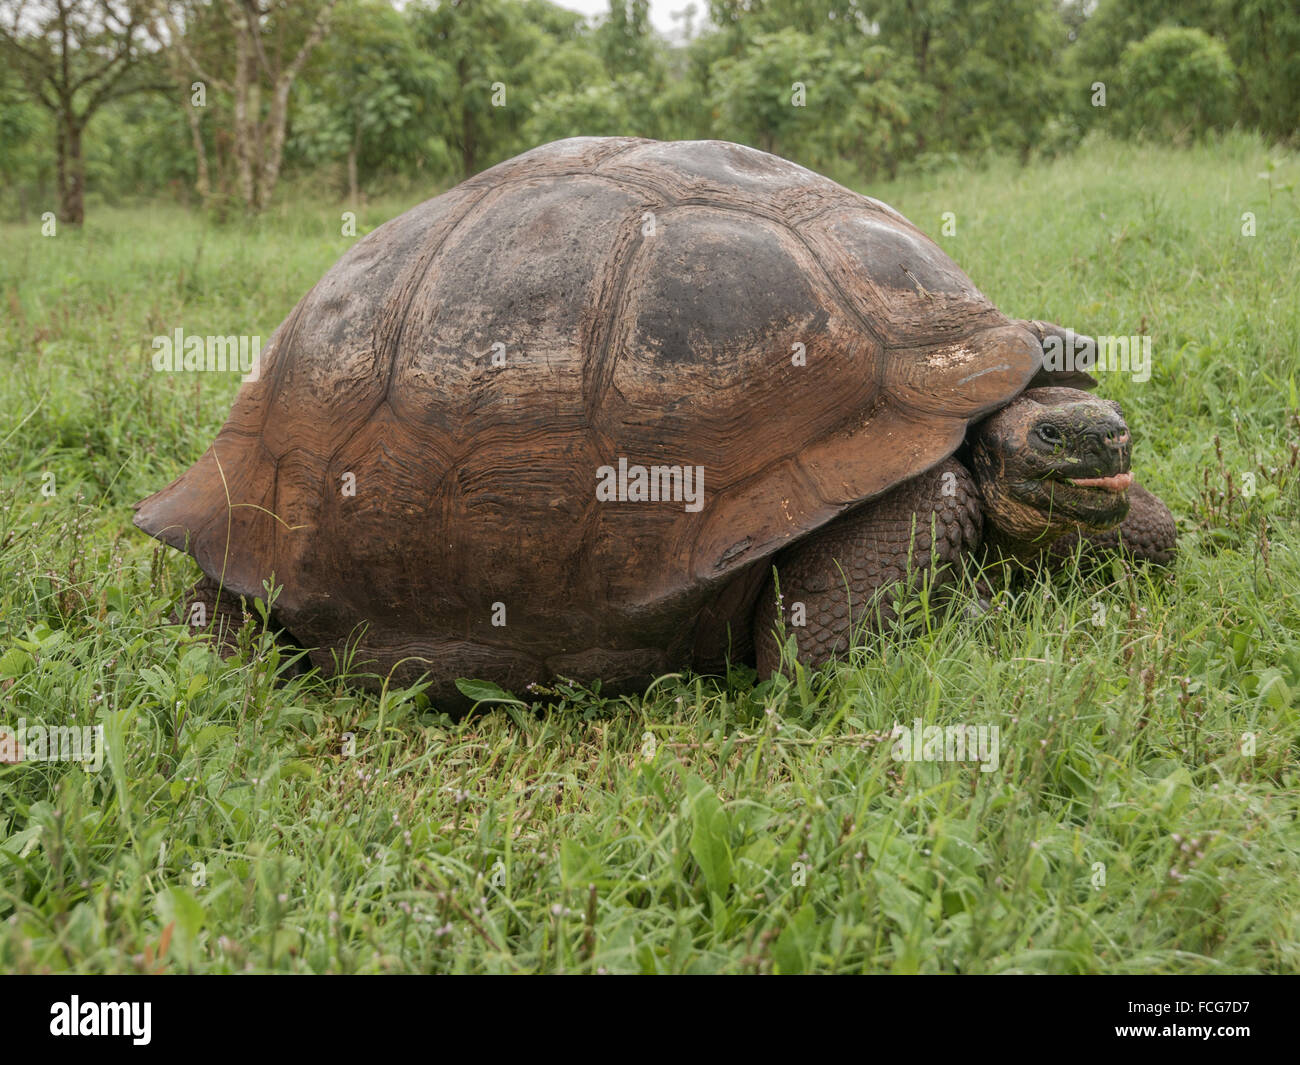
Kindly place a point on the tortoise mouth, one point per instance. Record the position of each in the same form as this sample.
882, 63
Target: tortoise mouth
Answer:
1115, 483
1095, 502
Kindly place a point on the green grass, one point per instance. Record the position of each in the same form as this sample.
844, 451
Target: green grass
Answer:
711, 825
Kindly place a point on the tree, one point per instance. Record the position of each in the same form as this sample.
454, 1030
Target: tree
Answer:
821, 101
21, 123
365, 90
624, 37
75, 56
986, 95
491, 56
1263, 39
1177, 82
770, 95
272, 41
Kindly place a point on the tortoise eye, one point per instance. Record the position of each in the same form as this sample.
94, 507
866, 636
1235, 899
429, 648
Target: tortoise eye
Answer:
1049, 434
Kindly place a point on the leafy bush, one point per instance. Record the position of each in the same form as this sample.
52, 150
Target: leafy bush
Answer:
1175, 83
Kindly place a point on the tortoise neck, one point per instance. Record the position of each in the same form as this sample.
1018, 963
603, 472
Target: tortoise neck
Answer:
1000, 546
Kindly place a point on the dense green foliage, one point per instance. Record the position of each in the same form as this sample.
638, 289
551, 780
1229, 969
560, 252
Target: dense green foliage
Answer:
712, 824
855, 88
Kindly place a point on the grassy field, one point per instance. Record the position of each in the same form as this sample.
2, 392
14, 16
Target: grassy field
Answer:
1142, 818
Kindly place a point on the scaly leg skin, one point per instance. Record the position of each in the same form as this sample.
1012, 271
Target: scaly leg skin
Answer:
1148, 534
223, 616
839, 572
204, 610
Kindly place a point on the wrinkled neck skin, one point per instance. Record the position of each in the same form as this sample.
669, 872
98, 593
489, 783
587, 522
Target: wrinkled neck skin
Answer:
1000, 546
1013, 531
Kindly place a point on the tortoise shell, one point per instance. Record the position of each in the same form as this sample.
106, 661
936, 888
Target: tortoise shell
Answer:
417, 464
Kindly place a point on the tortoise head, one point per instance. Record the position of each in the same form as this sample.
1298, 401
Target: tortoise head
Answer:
1055, 460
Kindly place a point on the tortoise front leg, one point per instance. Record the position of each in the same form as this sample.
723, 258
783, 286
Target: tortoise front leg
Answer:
1148, 534
840, 577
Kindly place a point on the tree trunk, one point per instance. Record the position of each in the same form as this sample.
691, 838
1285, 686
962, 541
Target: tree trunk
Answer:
258, 151
354, 193
468, 147
72, 192
202, 180
257, 142
271, 141
243, 133
61, 164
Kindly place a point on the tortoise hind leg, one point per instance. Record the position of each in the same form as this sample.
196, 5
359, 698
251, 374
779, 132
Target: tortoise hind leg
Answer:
207, 607
833, 580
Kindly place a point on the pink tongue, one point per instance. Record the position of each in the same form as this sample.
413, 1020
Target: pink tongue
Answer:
1117, 483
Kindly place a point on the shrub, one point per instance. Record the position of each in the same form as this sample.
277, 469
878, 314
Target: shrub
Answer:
1175, 83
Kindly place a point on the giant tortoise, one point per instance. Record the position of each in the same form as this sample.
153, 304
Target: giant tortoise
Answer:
567, 419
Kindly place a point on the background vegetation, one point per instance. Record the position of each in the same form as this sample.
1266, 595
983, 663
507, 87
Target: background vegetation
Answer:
426, 95
1144, 816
